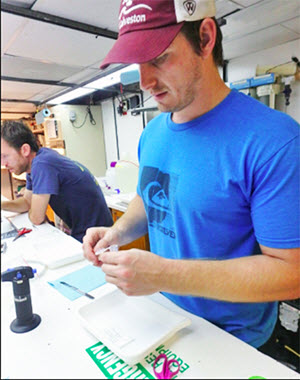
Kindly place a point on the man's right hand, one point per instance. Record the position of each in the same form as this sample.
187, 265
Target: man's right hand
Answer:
97, 238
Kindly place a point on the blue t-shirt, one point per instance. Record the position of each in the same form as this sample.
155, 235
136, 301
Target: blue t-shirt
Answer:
76, 197
215, 187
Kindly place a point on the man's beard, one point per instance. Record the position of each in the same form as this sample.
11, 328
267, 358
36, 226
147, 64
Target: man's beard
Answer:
21, 169
180, 105
186, 97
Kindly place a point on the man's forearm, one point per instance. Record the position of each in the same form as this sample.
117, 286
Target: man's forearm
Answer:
250, 279
17, 205
133, 224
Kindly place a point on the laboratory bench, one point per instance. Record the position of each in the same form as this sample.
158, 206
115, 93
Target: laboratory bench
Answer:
62, 347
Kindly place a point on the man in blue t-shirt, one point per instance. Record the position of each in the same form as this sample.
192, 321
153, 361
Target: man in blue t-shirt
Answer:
218, 188
67, 186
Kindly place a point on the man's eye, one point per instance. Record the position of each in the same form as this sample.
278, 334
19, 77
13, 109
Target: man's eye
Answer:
160, 60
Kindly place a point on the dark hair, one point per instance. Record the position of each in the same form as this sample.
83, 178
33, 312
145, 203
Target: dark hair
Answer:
16, 134
191, 32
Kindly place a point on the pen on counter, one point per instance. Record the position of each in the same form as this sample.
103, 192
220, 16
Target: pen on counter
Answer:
77, 290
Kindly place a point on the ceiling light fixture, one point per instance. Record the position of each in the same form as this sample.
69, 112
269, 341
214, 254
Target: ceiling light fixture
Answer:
98, 84
111, 79
77, 93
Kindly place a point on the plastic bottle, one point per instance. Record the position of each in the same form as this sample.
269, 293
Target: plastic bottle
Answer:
126, 176
110, 175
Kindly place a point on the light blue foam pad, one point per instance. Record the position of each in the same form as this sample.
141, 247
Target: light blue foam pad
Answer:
86, 279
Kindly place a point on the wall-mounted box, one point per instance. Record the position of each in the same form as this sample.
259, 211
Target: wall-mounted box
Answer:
240, 84
262, 80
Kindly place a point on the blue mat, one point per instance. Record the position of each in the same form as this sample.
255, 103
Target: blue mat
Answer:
86, 279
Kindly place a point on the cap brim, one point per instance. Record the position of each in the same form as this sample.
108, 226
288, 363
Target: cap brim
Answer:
141, 46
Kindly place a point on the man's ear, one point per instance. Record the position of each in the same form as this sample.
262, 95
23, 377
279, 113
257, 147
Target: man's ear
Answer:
208, 34
25, 150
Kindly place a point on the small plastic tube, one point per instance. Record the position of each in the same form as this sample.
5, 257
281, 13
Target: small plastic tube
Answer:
112, 248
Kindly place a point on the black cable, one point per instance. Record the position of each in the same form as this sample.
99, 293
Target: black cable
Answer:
92, 120
120, 100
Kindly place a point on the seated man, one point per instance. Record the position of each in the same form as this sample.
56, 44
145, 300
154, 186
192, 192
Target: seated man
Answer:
69, 187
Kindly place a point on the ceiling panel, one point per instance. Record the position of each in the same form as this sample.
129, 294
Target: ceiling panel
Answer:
225, 7
48, 92
31, 69
59, 45
260, 16
11, 27
99, 13
83, 75
246, 3
24, 91
257, 41
293, 24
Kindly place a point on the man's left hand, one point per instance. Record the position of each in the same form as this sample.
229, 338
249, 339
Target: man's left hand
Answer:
135, 272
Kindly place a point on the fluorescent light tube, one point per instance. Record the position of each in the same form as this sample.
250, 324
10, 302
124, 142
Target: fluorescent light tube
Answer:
106, 81
71, 95
111, 79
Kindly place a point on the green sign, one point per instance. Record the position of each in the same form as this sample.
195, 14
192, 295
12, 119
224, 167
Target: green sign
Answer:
113, 367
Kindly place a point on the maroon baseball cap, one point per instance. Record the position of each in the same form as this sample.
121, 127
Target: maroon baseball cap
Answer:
147, 27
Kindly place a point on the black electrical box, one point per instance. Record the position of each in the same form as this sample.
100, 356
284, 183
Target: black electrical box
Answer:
285, 345
134, 103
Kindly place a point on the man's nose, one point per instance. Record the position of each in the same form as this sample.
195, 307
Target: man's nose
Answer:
147, 76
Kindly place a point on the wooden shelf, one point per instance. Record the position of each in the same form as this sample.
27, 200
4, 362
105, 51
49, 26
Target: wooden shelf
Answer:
38, 131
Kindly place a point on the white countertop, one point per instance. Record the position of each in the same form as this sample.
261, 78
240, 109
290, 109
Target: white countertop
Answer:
57, 347
119, 201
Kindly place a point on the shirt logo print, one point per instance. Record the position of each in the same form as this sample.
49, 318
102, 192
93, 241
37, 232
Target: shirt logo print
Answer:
155, 190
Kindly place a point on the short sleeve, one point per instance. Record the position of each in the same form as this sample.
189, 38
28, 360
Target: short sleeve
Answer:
45, 179
275, 202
